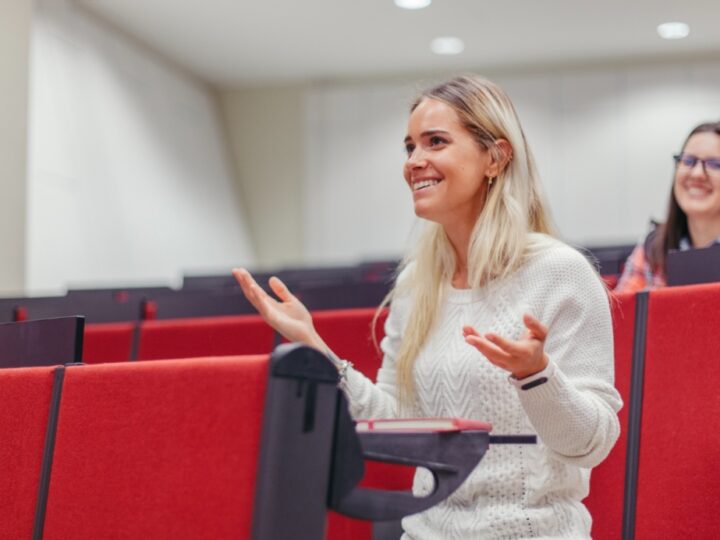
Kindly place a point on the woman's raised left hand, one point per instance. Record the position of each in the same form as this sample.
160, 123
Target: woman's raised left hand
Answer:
522, 358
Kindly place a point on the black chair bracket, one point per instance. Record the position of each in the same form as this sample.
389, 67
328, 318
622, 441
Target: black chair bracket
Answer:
449, 456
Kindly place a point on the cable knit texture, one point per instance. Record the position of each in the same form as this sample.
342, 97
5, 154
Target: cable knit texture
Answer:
517, 491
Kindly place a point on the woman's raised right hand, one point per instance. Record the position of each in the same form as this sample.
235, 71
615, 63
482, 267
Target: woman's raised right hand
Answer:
288, 316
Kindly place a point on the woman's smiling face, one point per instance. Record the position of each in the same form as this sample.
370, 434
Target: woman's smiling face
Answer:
446, 168
696, 191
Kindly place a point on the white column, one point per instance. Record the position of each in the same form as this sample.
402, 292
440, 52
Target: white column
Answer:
15, 25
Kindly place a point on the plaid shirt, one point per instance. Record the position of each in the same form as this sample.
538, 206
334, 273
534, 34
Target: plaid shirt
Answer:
637, 274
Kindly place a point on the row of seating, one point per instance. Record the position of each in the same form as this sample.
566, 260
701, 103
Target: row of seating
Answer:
658, 482
608, 260
305, 277
661, 480
347, 331
362, 285
665, 341
208, 448
127, 305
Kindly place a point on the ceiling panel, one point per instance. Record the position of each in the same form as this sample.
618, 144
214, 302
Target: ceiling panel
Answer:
241, 42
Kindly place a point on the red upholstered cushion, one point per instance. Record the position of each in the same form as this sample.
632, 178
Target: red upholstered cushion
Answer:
24, 407
107, 342
341, 527
607, 480
161, 450
679, 476
206, 336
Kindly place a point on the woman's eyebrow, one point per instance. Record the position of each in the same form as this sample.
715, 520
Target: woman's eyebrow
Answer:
428, 133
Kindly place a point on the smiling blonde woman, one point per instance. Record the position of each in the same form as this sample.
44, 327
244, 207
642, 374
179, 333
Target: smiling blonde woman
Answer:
491, 319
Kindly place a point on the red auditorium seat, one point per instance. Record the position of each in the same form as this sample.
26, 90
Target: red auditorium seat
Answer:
157, 450
605, 501
24, 406
679, 477
206, 336
204, 448
108, 342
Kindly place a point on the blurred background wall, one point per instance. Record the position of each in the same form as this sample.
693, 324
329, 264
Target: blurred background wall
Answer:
130, 176
120, 165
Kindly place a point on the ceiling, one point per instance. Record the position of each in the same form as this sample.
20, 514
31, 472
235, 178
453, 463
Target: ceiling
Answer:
234, 43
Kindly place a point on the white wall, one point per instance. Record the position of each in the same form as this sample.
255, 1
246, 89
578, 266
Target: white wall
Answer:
356, 205
15, 21
265, 128
130, 181
603, 139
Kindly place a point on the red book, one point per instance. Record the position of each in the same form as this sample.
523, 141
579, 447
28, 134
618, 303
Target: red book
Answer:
421, 424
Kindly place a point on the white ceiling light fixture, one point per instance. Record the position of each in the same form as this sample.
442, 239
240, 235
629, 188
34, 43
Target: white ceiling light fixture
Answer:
413, 4
447, 45
673, 30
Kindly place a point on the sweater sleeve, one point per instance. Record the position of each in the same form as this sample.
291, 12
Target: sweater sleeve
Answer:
575, 410
378, 400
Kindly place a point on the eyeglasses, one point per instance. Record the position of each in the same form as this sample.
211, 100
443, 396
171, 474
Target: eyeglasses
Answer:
687, 162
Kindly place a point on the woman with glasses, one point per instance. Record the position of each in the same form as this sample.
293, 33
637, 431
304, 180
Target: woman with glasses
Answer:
693, 218
491, 319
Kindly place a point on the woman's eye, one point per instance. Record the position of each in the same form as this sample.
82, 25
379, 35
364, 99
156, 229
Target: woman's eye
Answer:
435, 140
409, 149
712, 164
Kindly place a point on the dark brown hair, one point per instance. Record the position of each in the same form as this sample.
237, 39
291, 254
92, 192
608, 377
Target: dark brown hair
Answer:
667, 236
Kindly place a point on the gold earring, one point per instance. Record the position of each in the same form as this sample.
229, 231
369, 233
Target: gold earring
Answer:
490, 181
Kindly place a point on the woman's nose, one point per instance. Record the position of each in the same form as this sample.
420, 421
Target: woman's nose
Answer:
698, 169
416, 159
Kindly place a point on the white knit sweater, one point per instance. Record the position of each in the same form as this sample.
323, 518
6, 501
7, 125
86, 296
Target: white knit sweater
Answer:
517, 491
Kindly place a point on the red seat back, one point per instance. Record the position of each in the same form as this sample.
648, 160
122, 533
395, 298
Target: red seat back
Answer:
108, 342
24, 407
679, 477
607, 481
348, 333
162, 450
206, 336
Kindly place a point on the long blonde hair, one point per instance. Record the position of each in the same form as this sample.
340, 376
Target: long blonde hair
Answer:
499, 243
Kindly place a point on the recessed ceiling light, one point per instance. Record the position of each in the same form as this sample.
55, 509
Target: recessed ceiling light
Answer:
447, 45
413, 4
673, 30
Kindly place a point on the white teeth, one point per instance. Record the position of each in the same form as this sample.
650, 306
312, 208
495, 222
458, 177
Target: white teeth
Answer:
424, 183
697, 191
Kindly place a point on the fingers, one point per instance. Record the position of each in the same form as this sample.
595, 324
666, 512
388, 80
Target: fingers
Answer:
470, 331
492, 352
280, 289
510, 347
538, 329
242, 276
245, 280
500, 344
252, 291
519, 357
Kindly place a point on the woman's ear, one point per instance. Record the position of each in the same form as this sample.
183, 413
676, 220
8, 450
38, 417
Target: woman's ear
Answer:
500, 158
